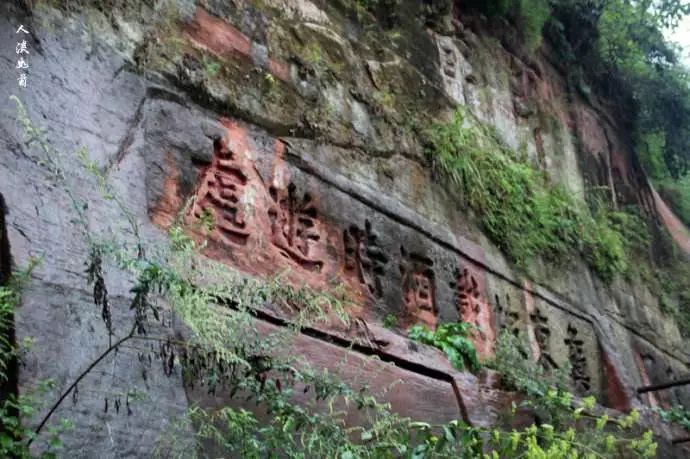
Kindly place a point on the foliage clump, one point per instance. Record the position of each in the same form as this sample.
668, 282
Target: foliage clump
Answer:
677, 414
17, 410
530, 16
453, 339
560, 412
519, 209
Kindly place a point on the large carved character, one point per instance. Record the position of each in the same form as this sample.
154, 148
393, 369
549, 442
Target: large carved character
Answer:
418, 289
295, 226
365, 258
473, 308
220, 196
579, 372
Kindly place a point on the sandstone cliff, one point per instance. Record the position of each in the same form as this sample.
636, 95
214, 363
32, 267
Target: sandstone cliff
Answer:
302, 121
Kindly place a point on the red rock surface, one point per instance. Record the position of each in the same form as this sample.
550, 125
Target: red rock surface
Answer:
679, 232
617, 398
475, 309
224, 40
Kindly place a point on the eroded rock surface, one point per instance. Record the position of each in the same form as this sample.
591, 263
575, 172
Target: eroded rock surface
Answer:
294, 126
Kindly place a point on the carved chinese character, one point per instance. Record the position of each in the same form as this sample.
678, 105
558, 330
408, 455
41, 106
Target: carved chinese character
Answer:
542, 333
220, 194
474, 309
295, 226
579, 369
365, 258
508, 318
469, 297
418, 288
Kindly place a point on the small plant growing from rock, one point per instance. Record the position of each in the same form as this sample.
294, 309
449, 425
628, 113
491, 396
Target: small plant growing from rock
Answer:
677, 414
453, 339
390, 321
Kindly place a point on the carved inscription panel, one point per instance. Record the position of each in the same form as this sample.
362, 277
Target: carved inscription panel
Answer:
542, 336
257, 218
270, 216
508, 316
579, 367
563, 341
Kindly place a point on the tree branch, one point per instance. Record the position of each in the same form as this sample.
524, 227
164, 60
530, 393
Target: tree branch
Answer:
83, 374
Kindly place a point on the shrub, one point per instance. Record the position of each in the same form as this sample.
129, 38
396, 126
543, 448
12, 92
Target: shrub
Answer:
453, 339
529, 16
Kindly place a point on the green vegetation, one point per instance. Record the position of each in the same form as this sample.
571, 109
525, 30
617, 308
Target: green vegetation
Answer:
519, 372
9, 298
677, 414
385, 10
519, 209
671, 285
616, 49
548, 397
453, 339
676, 193
390, 321
529, 15
17, 411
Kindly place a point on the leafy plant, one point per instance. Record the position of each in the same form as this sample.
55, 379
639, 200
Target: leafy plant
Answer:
453, 339
529, 16
513, 360
677, 414
547, 395
524, 214
390, 321
16, 411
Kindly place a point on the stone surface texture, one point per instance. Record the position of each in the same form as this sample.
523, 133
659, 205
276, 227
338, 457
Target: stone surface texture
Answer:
294, 124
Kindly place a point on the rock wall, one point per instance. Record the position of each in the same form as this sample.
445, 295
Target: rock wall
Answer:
295, 125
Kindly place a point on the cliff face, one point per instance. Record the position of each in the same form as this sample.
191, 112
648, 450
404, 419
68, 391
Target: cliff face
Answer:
296, 124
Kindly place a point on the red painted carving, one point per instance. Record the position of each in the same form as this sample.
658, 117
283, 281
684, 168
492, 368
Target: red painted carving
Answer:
418, 288
295, 226
365, 258
220, 194
474, 309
